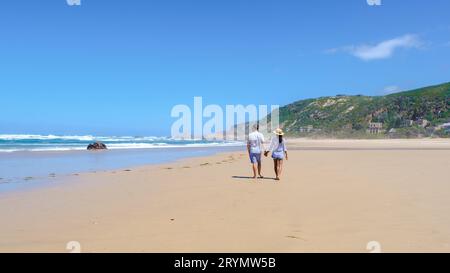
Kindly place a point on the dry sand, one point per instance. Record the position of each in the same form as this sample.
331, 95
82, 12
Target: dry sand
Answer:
335, 196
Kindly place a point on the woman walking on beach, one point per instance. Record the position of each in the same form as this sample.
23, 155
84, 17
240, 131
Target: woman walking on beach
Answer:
279, 152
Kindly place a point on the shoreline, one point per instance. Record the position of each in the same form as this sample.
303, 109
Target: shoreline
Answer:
45, 166
328, 201
63, 179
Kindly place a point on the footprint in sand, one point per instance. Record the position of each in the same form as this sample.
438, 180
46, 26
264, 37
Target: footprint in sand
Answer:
186, 167
127, 170
204, 164
168, 168
294, 237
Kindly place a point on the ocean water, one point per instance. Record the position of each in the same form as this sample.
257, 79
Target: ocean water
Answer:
26, 160
41, 143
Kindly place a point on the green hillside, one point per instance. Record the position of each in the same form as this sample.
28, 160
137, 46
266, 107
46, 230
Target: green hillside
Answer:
415, 113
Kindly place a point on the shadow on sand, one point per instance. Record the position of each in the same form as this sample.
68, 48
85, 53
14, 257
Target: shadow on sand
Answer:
249, 177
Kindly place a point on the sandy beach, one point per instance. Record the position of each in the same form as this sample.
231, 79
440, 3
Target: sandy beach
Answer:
335, 196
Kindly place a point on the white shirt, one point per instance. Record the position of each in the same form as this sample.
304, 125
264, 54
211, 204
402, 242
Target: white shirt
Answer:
275, 145
255, 141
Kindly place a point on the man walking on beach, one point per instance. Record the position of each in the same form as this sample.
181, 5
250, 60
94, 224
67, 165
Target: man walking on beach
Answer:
255, 147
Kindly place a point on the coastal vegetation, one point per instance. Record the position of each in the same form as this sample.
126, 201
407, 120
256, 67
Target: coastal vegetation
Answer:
417, 113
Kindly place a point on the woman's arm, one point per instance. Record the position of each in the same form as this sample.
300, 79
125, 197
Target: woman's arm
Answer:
285, 149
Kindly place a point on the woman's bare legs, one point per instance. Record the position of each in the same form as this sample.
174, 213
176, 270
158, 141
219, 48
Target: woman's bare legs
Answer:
275, 168
280, 167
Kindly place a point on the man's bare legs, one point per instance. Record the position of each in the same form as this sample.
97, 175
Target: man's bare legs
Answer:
259, 169
255, 168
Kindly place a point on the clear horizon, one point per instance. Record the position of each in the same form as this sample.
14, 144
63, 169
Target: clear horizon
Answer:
118, 68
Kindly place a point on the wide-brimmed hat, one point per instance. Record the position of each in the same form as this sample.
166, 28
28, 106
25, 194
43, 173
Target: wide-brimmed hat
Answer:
278, 132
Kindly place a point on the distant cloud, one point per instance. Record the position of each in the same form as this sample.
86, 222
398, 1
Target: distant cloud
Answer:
382, 50
391, 89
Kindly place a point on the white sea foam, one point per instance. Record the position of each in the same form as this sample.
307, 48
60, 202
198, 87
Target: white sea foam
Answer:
168, 145
45, 137
16, 143
17, 137
43, 149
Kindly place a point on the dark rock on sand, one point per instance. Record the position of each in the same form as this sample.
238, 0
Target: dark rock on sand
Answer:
97, 146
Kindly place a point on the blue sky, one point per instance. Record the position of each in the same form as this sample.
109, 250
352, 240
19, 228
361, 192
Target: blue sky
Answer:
118, 67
